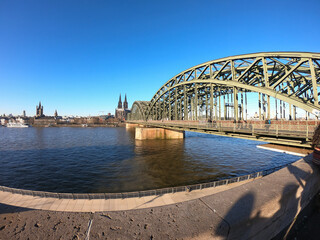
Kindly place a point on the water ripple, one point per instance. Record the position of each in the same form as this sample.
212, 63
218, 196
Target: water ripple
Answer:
110, 160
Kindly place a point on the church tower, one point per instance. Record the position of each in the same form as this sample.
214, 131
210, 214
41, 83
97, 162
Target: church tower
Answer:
120, 102
122, 110
39, 110
125, 103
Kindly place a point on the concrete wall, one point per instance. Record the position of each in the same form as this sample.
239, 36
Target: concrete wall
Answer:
259, 209
131, 125
157, 133
262, 208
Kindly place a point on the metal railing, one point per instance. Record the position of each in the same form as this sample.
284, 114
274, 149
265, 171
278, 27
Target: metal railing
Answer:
145, 193
300, 130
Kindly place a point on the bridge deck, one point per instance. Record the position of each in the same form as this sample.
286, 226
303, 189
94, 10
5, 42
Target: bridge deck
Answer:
273, 133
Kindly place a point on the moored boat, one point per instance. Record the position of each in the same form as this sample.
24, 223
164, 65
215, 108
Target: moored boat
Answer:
17, 125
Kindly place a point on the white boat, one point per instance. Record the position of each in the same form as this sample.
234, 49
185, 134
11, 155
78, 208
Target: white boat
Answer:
84, 125
17, 125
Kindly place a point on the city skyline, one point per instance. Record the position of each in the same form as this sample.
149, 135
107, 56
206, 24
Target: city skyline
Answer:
77, 57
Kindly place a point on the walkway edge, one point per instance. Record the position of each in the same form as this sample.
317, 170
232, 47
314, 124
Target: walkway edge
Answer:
282, 151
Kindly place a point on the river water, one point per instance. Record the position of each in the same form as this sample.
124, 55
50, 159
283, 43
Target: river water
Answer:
95, 160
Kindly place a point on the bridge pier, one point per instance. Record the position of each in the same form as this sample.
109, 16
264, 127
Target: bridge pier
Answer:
157, 133
131, 125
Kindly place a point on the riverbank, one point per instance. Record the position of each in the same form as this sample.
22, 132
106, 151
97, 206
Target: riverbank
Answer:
79, 125
286, 149
258, 209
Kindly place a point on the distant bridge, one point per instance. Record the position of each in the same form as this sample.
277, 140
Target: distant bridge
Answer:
217, 90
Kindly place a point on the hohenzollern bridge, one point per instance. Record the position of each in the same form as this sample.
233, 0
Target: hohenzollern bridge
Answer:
281, 88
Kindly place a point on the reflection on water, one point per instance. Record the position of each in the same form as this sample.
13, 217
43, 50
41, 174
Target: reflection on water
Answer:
111, 160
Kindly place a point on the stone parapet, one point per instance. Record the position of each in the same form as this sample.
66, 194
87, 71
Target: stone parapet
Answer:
264, 207
257, 209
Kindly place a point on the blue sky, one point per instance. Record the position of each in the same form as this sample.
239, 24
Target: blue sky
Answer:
78, 56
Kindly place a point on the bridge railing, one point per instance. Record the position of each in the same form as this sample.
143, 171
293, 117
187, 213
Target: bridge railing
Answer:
302, 129
145, 193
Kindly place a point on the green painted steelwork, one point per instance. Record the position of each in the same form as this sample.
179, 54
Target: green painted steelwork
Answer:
291, 77
138, 110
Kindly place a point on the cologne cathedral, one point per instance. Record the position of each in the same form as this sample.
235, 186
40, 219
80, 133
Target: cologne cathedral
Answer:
122, 110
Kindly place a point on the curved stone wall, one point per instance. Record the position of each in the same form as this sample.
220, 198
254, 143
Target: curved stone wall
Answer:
256, 209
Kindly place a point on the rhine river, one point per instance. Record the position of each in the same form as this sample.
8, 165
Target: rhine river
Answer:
96, 160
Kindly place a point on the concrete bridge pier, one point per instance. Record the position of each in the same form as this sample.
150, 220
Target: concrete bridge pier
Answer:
131, 125
143, 133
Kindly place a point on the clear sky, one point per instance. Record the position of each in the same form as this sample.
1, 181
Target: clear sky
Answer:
77, 56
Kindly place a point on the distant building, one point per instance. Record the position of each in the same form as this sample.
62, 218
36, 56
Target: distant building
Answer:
4, 121
122, 110
56, 114
39, 111
20, 120
24, 113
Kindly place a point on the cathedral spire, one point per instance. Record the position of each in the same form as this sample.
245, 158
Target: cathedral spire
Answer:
120, 102
125, 103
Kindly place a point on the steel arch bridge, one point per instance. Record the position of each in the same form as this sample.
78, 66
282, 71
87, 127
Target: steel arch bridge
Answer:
291, 77
138, 110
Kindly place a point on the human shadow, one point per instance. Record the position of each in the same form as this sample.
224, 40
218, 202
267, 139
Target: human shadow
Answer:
309, 182
247, 220
240, 210
150, 201
4, 209
255, 215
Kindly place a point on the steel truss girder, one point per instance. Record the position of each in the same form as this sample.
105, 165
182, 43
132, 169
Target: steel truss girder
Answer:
267, 73
138, 110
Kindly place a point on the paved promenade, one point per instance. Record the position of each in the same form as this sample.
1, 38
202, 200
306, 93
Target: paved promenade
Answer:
99, 205
258, 209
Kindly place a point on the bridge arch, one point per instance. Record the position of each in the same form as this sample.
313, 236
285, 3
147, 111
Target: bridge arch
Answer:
292, 77
138, 110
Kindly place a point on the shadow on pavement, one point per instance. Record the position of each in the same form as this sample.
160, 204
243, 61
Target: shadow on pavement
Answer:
4, 208
252, 218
